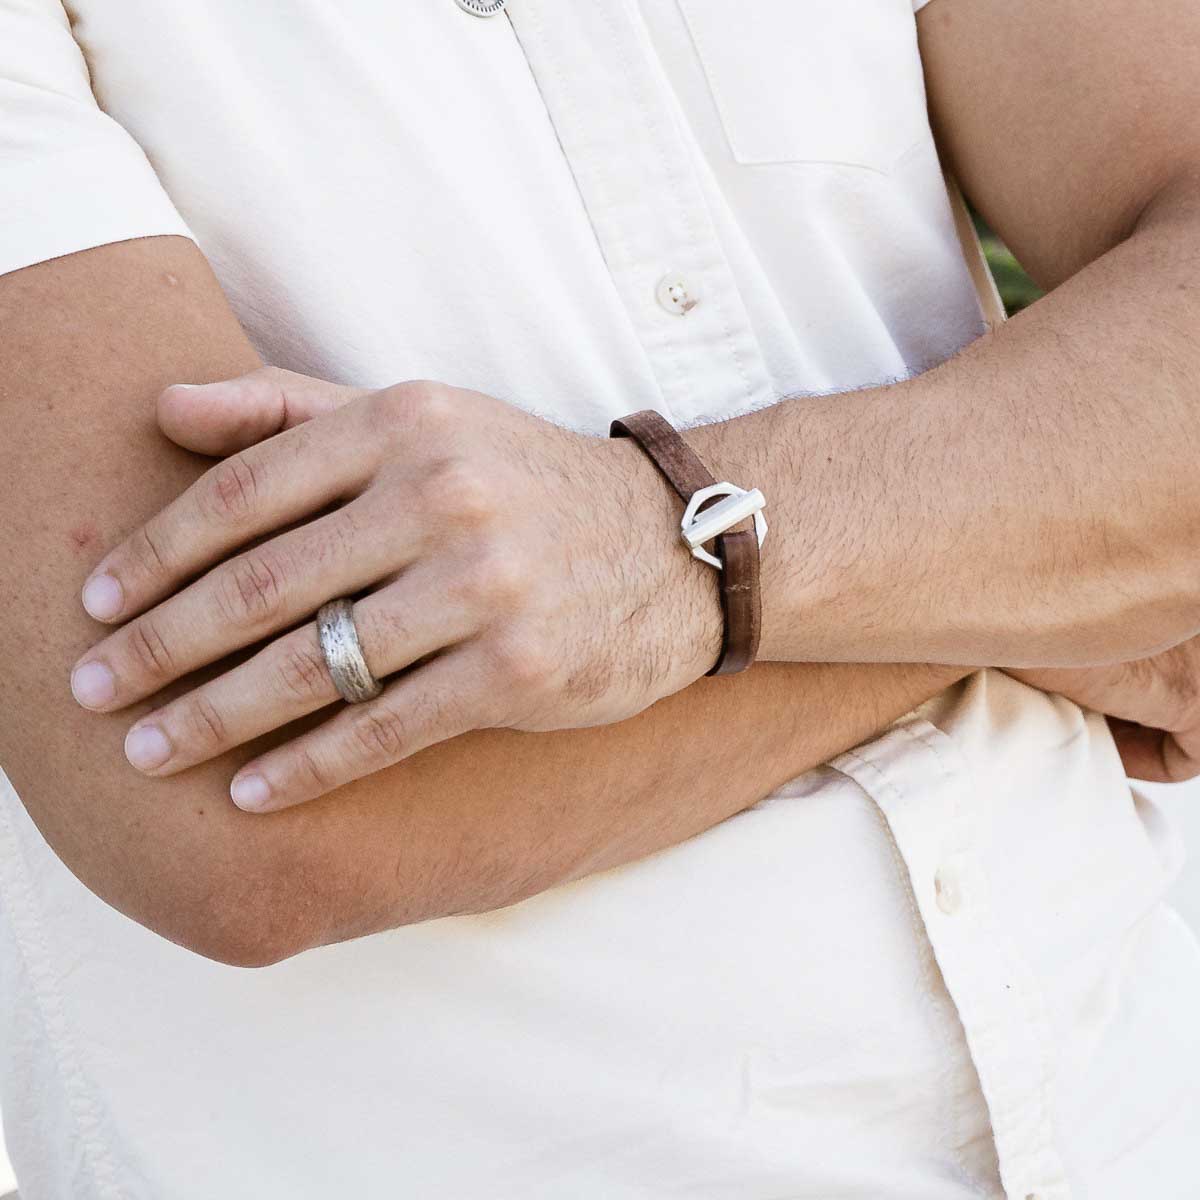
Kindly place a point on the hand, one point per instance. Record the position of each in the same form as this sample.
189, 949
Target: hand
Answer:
511, 573
1152, 706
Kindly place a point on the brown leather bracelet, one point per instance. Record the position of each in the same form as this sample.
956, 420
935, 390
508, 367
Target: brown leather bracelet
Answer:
736, 548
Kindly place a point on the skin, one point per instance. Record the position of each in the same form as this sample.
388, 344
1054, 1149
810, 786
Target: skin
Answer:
471, 825
1153, 704
402, 845
1000, 511
504, 561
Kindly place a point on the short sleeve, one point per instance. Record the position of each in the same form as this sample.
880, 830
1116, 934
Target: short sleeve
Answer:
919, 4
70, 177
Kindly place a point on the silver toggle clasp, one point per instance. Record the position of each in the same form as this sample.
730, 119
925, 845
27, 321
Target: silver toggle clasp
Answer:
697, 528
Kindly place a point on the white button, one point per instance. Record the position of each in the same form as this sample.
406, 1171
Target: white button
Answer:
948, 892
482, 8
675, 296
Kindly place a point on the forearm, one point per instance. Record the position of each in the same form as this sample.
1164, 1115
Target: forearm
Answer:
1034, 501
595, 798
469, 824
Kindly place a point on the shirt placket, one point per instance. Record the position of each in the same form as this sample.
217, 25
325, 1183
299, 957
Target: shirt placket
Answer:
924, 787
637, 174
639, 179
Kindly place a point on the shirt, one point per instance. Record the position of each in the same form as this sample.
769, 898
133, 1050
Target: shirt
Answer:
937, 967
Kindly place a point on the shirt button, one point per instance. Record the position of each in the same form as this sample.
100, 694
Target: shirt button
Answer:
675, 296
948, 892
482, 8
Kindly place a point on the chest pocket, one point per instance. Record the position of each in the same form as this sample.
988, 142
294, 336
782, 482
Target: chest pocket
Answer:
835, 81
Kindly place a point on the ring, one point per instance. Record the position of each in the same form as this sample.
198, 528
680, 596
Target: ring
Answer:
343, 653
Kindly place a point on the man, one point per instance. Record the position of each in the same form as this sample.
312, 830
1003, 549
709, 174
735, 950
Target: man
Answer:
938, 965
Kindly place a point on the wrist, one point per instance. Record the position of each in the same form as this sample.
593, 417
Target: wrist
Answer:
677, 588
809, 587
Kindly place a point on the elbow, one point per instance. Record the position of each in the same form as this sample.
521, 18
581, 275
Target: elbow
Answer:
232, 939
232, 934
271, 889
242, 902
279, 899
175, 856
242, 890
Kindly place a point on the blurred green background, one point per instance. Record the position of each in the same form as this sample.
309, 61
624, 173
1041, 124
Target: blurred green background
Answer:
1016, 288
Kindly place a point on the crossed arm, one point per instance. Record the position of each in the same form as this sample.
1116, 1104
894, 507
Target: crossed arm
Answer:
472, 824
1039, 413
1035, 500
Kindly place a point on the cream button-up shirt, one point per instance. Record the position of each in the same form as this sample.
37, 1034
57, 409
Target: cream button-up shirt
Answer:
938, 967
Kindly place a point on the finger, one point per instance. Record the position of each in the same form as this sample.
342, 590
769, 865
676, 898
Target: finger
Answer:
1179, 763
242, 601
286, 681
1154, 692
1154, 755
219, 419
1140, 748
1134, 691
255, 492
433, 703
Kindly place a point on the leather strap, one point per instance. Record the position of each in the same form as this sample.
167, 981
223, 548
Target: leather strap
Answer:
737, 548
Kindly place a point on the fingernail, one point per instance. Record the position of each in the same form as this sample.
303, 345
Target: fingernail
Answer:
103, 597
147, 747
93, 685
250, 792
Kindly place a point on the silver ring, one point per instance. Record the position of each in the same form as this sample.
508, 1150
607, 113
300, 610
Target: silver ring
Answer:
343, 653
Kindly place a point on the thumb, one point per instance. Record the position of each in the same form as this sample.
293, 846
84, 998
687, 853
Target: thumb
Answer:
219, 419
1155, 755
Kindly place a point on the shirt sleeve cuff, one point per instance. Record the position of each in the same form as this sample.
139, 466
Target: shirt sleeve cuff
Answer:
80, 198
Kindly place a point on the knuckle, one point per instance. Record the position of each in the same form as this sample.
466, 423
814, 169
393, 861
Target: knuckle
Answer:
469, 588
414, 403
388, 408
306, 770
147, 550
302, 674
525, 663
460, 490
252, 588
494, 581
230, 494
205, 727
149, 651
509, 582
397, 406
430, 401
380, 733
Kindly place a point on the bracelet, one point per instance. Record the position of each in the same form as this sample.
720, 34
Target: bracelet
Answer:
707, 518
